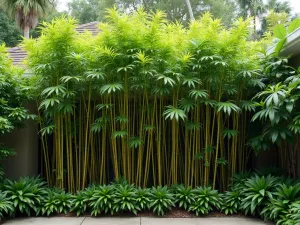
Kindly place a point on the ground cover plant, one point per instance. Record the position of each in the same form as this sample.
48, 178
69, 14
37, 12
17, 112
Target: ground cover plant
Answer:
146, 99
255, 194
26, 194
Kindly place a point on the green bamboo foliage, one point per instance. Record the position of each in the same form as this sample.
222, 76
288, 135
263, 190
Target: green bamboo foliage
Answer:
145, 99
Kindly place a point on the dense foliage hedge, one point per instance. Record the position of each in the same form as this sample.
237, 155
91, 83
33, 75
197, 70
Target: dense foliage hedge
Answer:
270, 197
146, 99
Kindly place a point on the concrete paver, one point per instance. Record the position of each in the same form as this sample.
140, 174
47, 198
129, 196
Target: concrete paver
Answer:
169, 221
136, 221
112, 221
46, 221
204, 221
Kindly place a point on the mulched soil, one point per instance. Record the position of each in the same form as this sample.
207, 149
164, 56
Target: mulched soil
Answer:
174, 213
181, 213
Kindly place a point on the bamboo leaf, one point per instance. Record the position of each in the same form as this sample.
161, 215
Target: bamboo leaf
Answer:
174, 113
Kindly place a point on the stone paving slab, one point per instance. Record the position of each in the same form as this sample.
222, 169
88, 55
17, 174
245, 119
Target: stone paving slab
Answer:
136, 221
170, 221
204, 221
112, 221
46, 221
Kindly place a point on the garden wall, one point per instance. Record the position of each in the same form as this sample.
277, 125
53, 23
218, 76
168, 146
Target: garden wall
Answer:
24, 142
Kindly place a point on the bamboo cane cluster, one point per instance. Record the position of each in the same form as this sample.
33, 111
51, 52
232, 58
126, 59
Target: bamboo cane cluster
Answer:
148, 100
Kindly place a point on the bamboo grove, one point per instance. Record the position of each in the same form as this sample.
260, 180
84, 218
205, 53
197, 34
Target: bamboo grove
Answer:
145, 99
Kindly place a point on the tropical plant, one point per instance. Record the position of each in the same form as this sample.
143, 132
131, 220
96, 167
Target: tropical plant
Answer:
161, 200
184, 196
102, 200
189, 6
26, 12
26, 194
252, 8
278, 6
6, 205
238, 180
294, 215
79, 203
143, 198
231, 202
257, 193
278, 110
125, 199
57, 201
281, 32
206, 199
280, 206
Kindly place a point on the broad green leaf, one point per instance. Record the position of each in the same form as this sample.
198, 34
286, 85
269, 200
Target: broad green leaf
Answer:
280, 31
280, 45
294, 25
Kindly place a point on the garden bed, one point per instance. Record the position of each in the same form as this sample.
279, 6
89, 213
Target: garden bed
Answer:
267, 197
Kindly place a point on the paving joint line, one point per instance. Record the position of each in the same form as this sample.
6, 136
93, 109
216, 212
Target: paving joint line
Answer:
140, 220
82, 220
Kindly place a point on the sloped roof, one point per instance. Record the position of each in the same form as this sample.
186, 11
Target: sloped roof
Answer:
291, 46
91, 27
17, 54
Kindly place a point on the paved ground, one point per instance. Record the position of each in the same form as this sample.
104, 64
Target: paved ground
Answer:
136, 221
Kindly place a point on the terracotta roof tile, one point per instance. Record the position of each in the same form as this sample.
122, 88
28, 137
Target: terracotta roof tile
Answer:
91, 27
17, 54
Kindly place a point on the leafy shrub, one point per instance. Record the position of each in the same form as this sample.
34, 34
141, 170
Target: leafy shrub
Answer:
231, 202
125, 199
238, 180
6, 206
79, 203
90, 190
279, 206
48, 205
26, 194
184, 196
205, 200
257, 193
63, 202
161, 200
56, 201
102, 200
174, 187
142, 198
293, 218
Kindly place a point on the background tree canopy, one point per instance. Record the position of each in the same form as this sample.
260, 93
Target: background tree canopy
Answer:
268, 13
91, 10
226, 10
9, 33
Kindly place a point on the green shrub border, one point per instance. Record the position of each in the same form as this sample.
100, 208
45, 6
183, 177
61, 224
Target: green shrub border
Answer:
269, 197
